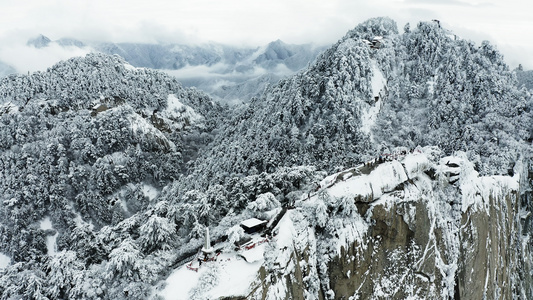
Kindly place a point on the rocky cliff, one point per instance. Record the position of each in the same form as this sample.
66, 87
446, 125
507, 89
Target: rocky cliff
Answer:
419, 227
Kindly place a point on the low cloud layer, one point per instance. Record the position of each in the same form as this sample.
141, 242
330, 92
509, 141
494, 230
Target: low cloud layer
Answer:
24, 58
253, 23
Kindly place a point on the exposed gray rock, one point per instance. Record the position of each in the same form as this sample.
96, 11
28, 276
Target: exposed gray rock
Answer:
426, 239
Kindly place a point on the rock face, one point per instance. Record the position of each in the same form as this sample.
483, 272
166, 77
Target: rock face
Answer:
487, 250
449, 235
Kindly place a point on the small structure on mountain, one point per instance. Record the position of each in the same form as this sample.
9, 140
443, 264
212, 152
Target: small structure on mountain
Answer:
98, 109
377, 42
207, 249
452, 171
253, 225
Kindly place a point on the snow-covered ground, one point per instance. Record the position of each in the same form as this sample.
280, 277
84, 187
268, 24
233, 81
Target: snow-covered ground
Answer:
129, 67
80, 222
180, 282
236, 273
8, 107
150, 191
51, 246
476, 190
178, 111
141, 126
415, 163
4, 260
230, 275
385, 177
378, 80
369, 114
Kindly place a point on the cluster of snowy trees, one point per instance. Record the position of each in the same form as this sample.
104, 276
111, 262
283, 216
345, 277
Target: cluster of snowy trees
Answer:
441, 91
312, 118
451, 93
89, 173
76, 83
525, 78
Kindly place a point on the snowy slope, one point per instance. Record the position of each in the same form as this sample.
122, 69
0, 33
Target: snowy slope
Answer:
383, 179
349, 233
231, 274
370, 112
46, 224
179, 114
4, 260
395, 232
131, 189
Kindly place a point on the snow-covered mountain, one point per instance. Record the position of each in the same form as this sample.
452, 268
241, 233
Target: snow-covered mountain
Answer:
39, 41
227, 73
86, 145
438, 91
113, 175
419, 225
175, 56
422, 87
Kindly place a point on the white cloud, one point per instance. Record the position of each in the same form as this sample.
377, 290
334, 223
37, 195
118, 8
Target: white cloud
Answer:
30, 59
222, 71
201, 71
248, 22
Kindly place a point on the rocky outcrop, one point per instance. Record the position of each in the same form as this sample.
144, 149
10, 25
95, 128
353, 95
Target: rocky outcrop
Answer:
489, 248
289, 271
450, 237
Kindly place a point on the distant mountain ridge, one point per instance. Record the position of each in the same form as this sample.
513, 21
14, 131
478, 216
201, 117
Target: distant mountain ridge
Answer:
228, 73
175, 56
39, 41
232, 74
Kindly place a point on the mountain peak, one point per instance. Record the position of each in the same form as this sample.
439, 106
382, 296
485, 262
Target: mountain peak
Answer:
38, 42
380, 26
276, 50
276, 42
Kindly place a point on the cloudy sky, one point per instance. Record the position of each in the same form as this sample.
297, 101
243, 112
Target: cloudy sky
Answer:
248, 22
